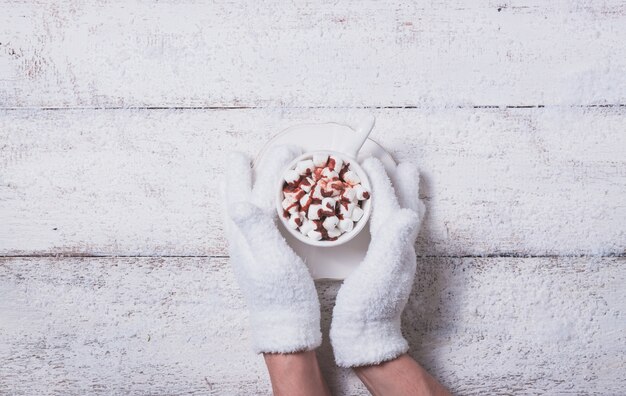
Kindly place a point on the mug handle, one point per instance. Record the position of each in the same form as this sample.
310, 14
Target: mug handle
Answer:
362, 124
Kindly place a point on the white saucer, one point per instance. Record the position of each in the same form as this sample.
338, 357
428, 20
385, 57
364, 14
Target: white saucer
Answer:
328, 262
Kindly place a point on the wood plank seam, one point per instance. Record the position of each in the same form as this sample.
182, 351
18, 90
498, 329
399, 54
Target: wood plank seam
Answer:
427, 256
407, 107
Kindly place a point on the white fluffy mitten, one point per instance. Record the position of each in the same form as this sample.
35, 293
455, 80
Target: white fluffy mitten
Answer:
278, 289
365, 328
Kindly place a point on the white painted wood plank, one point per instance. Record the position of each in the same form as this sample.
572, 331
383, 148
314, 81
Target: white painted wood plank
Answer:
251, 53
123, 326
121, 182
178, 325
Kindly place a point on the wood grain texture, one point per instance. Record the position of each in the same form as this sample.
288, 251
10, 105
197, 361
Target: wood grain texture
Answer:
96, 178
178, 325
251, 53
121, 182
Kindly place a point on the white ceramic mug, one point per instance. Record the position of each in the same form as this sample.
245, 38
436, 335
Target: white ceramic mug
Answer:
348, 153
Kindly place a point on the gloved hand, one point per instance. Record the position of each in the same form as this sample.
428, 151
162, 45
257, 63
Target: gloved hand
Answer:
278, 289
365, 327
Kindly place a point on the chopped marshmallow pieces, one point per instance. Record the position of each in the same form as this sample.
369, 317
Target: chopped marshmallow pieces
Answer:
335, 188
307, 226
317, 192
345, 225
307, 184
360, 192
295, 220
335, 163
334, 233
330, 222
349, 194
330, 174
351, 178
346, 210
291, 176
290, 205
305, 199
323, 197
288, 201
314, 212
304, 167
315, 235
290, 194
320, 160
357, 213
328, 205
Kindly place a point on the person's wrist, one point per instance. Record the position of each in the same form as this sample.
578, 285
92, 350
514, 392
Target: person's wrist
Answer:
357, 344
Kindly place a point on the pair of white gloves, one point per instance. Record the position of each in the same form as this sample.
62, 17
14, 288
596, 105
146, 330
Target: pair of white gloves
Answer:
279, 291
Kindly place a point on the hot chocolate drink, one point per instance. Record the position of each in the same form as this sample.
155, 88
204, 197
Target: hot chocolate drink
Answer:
323, 197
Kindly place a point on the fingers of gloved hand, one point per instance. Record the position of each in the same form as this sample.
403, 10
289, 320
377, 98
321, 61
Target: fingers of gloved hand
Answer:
261, 235
384, 200
270, 171
384, 257
237, 178
406, 180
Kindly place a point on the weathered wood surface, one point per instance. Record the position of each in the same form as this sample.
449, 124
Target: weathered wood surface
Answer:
503, 181
177, 326
252, 53
121, 182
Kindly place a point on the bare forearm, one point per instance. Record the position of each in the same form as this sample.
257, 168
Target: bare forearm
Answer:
296, 374
400, 376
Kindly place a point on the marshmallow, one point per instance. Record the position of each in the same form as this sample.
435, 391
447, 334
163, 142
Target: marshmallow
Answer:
304, 200
346, 210
298, 194
335, 163
349, 194
330, 174
307, 226
317, 174
295, 221
305, 166
336, 187
327, 190
315, 235
351, 178
314, 211
334, 233
320, 160
288, 203
327, 212
290, 194
307, 184
329, 203
291, 176
357, 213
361, 192
330, 222
317, 192
345, 225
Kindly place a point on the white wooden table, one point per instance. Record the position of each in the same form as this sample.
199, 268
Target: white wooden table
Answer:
115, 118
